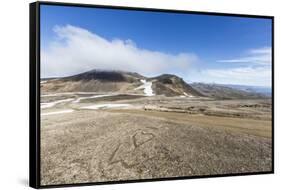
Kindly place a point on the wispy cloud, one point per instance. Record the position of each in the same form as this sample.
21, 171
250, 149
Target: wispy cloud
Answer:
252, 69
256, 76
260, 56
76, 50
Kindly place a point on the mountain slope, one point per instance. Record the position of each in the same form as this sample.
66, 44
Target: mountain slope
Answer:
120, 82
263, 90
102, 81
172, 85
95, 81
224, 92
105, 76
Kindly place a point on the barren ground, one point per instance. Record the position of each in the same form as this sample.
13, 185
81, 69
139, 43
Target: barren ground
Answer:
151, 137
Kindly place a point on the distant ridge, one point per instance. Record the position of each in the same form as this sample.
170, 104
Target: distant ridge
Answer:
221, 91
120, 82
113, 81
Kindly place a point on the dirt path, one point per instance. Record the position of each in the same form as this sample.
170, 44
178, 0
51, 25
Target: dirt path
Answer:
242, 125
98, 145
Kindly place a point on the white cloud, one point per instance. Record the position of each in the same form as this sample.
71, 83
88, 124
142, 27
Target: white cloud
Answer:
260, 56
256, 76
252, 69
75, 50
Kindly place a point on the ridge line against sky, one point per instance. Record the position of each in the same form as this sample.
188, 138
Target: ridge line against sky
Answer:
197, 48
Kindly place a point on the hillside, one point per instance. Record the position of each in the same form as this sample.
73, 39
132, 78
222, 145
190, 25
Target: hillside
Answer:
224, 92
172, 85
120, 82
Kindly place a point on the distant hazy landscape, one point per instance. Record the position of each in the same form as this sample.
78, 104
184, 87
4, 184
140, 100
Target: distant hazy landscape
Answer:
115, 125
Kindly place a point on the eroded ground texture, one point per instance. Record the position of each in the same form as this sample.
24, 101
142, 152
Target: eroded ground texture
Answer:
151, 137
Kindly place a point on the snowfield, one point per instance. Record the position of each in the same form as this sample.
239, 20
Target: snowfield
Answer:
188, 95
147, 88
57, 112
66, 93
91, 97
104, 106
51, 104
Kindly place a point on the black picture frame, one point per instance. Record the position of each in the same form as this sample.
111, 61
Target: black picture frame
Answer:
34, 92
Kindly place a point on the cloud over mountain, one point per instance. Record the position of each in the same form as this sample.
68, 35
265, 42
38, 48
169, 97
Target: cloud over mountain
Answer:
75, 50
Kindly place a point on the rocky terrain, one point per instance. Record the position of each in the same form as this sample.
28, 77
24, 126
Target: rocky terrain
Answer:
120, 82
225, 91
109, 126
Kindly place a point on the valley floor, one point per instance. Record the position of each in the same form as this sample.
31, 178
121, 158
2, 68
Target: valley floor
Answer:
127, 137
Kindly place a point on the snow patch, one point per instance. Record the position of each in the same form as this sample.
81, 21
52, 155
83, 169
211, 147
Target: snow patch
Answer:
57, 112
66, 93
91, 97
105, 106
188, 95
147, 88
51, 104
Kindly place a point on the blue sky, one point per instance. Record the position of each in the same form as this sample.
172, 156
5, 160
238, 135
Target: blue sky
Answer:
198, 48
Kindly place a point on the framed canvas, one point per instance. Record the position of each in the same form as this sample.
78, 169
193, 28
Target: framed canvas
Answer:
121, 94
